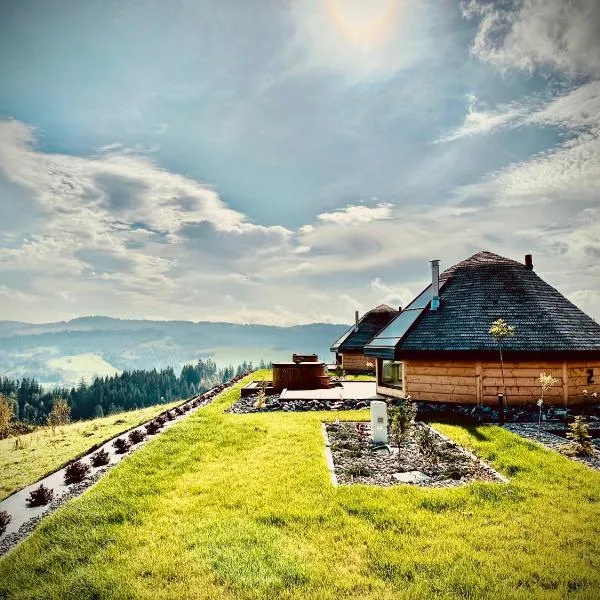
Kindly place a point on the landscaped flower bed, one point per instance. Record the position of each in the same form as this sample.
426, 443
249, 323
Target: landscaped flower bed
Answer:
424, 458
555, 439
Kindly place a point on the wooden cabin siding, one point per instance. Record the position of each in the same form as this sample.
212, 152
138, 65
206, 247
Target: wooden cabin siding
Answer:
521, 381
441, 381
577, 379
357, 362
480, 382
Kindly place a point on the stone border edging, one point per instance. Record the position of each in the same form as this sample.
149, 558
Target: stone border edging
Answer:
329, 455
499, 475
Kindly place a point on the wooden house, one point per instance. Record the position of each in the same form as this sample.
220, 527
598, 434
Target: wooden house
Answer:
349, 349
439, 348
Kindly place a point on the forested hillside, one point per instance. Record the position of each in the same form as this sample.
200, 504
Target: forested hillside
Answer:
105, 395
58, 354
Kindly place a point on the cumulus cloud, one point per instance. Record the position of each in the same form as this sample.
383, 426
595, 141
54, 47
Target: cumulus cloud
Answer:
538, 35
357, 214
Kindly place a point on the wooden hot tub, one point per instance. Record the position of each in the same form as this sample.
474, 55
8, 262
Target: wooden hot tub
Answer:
305, 358
300, 376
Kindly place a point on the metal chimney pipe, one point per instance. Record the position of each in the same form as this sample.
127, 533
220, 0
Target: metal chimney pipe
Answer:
435, 284
355, 320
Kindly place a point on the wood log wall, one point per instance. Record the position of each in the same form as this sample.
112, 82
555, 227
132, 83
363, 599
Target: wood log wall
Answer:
357, 362
480, 382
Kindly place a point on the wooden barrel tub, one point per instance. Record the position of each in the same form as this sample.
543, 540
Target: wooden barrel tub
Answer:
305, 358
300, 376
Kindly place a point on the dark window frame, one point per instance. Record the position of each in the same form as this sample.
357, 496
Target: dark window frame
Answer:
380, 381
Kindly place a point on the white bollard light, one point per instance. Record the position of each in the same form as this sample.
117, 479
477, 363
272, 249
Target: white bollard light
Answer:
379, 422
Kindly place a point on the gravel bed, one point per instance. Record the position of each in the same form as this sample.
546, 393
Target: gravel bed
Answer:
10, 539
356, 460
248, 405
428, 411
553, 441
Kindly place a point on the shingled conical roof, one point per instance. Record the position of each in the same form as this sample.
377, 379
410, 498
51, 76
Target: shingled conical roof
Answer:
486, 287
370, 324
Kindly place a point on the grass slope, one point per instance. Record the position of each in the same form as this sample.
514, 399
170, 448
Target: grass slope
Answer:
44, 451
241, 506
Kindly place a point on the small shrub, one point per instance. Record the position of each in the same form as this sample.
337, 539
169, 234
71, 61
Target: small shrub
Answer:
580, 436
401, 419
345, 445
77, 471
454, 471
40, 496
5, 519
152, 428
19, 444
362, 431
261, 398
426, 441
358, 470
121, 445
136, 436
101, 458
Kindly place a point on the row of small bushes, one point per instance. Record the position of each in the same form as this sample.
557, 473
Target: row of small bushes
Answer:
78, 470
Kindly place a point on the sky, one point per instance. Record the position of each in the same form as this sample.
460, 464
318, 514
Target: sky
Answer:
287, 162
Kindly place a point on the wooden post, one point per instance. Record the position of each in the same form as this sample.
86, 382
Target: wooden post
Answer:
501, 408
404, 390
479, 383
565, 378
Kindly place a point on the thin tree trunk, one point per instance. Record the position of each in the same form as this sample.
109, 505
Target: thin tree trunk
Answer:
502, 371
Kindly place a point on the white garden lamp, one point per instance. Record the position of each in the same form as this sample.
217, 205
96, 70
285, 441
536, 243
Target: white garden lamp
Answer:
379, 422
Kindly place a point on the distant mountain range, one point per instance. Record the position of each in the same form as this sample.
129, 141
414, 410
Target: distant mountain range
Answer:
61, 353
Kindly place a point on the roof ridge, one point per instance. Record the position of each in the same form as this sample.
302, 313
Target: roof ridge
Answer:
483, 258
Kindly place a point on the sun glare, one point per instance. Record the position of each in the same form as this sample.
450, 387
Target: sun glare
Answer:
365, 23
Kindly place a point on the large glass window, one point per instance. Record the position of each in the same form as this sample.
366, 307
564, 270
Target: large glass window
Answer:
391, 373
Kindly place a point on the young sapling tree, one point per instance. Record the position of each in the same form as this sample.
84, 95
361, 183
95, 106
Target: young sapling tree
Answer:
60, 414
499, 331
546, 381
401, 418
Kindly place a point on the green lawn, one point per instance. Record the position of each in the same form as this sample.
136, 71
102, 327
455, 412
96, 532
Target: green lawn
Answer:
241, 506
43, 451
356, 377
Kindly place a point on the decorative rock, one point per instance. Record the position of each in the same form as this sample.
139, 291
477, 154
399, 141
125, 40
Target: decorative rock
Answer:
411, 477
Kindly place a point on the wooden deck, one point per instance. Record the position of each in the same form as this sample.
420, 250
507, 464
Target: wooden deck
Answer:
349, 390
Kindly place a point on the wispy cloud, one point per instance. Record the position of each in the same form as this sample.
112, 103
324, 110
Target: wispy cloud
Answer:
481, 121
